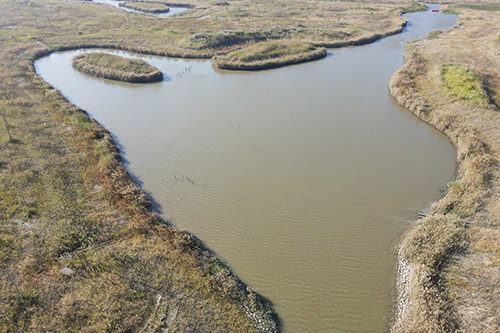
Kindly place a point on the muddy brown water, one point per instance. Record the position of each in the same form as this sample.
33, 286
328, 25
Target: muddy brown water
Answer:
301, 178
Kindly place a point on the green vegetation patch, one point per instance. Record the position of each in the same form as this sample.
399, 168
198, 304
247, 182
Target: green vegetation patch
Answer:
490, 8
269, 55
116, 68
414, 7
451, 11
433, 34
146, 7
463, 84
217, 3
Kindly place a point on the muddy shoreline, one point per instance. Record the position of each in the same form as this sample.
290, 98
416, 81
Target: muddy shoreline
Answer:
436, 244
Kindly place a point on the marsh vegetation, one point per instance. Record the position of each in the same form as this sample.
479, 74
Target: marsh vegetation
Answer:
266, 55
463, 84
114, 67
454, 254
146, 7
80, 247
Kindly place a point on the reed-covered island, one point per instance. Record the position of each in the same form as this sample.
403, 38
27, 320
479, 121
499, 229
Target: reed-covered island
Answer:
117, 68
146, 7
266, 55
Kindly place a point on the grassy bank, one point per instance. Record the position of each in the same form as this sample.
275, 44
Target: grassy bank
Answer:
453, 254
80, 248
267, 55
146, 7
114, 67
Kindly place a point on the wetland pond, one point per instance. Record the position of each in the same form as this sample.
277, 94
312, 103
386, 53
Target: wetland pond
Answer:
300, 178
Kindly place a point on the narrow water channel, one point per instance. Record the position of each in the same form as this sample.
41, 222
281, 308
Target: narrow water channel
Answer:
116, 3
300, 178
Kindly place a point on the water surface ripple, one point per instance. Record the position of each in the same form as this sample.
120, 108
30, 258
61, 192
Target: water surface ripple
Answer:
298, 177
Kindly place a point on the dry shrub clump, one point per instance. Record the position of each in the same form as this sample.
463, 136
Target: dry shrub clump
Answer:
449, 82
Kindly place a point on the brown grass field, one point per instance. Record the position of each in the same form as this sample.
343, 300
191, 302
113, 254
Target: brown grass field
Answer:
81, 248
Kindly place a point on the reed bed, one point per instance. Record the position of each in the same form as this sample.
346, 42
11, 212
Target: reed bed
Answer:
267, 55
117, 68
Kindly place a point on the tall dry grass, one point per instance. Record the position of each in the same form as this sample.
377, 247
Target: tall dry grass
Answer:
454, 254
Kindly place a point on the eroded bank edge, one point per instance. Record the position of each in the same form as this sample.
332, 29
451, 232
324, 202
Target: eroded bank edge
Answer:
426, 247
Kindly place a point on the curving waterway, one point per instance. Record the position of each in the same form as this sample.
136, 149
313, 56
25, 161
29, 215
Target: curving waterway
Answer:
301, 178
116, 3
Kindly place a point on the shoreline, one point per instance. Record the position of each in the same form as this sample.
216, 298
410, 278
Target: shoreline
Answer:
363, 40
207, 54
145, 10
407, 273
258, 309
432, 285
281, 61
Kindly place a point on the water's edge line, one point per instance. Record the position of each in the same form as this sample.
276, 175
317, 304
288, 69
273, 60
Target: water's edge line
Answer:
407, 272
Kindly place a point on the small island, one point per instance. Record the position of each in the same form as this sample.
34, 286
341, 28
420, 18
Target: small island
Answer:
267, 55
117, 68
146, 7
